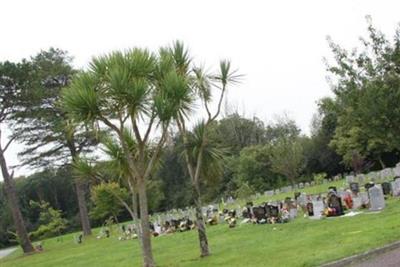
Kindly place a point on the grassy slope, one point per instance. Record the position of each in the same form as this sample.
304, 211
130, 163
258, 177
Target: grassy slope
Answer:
302, 242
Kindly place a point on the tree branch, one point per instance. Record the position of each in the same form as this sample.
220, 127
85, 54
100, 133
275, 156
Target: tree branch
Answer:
219, 105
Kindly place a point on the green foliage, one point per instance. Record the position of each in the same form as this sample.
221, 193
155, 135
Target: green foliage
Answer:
106, 199
319, 177
254, 168
244, 191
50, 219
287, 157
366, 98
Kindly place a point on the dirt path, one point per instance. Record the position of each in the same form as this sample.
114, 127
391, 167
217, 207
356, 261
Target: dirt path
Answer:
388, 259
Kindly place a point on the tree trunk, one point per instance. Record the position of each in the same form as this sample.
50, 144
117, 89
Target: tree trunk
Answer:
201, 227
9, 187
148, 260
83, 212
381, 162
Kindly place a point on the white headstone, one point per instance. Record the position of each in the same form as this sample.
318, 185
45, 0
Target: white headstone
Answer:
318, 208
377, 199
364, 198
361, 178
292, 213
269, 193
350, 179
396, 187
396, 170
356, 202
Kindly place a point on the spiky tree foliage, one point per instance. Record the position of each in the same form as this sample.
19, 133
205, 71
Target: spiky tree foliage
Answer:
123, 91
202, 85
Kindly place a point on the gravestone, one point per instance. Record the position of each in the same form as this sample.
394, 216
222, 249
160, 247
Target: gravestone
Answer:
272, 211
357, 203
312, 183
350, 178
364, 199
361, 178
354, 187
377, 200
387, 188
259, 214
387, 173
307, 184
396, 187
396, 170
367, 186
269, 193
318, 209
310, 209
292, 213
373, 176
334, 204
301, 185
302, 199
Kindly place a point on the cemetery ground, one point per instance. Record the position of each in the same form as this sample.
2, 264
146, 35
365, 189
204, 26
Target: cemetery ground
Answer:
301, 242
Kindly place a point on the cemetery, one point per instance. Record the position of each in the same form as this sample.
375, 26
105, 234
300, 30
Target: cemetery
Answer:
217, 133
352, 215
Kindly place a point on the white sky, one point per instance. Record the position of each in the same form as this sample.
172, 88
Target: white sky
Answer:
278, 45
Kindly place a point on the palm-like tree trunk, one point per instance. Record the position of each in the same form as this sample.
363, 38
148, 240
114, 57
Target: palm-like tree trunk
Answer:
148, 260
9, 187
201, 227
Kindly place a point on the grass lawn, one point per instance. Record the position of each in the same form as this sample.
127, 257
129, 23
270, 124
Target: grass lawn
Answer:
302, 242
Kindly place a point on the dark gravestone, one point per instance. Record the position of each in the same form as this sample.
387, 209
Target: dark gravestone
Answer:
310, 209
335, 205
259, 213
368, 185
387, 188
272, 211
354, 187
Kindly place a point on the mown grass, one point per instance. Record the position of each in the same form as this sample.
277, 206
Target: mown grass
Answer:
302, 242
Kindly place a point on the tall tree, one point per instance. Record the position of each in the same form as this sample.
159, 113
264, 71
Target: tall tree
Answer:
11, 82
122, 92
202, 85
287, 158
366, 87
43, 127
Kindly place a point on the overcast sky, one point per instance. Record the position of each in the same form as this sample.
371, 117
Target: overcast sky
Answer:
278, 45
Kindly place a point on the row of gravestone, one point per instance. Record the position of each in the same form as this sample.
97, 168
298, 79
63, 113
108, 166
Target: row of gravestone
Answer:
289, 188
382, 175
385, 174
